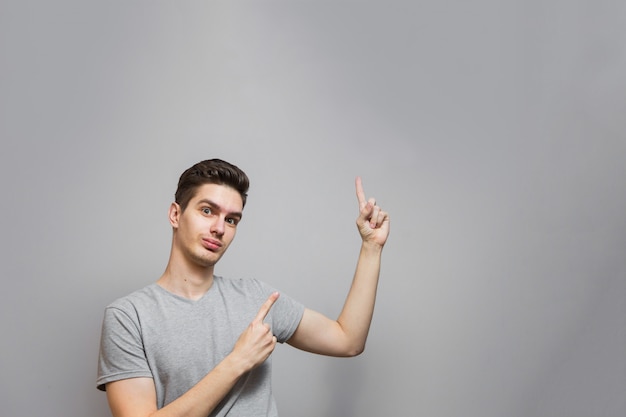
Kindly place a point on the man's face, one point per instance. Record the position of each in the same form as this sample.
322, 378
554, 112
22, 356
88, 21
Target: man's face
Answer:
203, 232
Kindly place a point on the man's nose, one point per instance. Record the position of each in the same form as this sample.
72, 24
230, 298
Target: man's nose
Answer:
218, 226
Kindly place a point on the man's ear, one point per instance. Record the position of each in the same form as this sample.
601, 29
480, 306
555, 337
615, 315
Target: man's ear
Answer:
174, 214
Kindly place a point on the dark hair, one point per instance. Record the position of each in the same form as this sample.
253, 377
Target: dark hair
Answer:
211, 171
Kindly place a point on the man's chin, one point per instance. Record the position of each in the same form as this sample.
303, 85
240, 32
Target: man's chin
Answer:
208, 260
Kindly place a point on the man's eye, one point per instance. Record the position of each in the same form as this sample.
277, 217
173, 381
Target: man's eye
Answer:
206, 210
231, 221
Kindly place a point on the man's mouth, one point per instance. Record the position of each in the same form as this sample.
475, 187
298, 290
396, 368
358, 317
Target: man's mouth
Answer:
211, 244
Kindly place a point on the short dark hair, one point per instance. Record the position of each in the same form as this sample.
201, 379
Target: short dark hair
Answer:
210, 171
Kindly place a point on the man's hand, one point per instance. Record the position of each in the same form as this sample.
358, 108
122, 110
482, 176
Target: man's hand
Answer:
373, 223
257, 342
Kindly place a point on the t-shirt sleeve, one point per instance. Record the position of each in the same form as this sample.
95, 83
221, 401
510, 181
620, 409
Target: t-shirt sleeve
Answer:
285, 314
122, 354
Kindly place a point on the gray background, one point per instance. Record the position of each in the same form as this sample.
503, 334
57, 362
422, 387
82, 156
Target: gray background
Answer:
494, 132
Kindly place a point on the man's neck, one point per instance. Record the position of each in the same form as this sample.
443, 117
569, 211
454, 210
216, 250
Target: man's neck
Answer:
191, 283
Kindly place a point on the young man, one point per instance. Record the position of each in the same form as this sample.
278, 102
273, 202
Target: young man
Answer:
194, 344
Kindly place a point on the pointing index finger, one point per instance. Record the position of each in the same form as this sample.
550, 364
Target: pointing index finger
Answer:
360, 194
265, 308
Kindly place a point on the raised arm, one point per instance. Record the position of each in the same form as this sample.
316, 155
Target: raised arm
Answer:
136, 397
346, 336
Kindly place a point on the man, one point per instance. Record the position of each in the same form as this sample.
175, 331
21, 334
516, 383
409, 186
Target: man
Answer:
185, 345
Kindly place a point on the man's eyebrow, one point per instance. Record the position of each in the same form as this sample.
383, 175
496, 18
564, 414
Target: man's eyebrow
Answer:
220, 208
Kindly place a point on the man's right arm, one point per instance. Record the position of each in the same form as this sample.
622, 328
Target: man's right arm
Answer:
136, 397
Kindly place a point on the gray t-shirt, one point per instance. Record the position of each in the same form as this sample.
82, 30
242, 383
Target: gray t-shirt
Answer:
176, 341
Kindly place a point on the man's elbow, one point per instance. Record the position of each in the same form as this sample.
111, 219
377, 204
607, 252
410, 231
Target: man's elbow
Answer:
355, 350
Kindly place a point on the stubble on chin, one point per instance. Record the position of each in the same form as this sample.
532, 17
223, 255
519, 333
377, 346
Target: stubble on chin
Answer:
207, 259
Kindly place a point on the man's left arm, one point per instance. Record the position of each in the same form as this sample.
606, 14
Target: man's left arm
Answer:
346, 336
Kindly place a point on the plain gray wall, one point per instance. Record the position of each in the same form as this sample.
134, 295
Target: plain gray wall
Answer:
494, 132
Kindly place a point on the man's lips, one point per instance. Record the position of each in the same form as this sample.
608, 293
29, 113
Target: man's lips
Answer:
211, 244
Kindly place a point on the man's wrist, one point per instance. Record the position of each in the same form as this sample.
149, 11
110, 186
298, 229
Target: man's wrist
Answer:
235, 365
371, 248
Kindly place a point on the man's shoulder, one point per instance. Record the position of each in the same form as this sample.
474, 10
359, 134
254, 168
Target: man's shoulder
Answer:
241, 284
141, 296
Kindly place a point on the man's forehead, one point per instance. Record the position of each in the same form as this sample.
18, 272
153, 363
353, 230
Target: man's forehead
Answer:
220, 195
